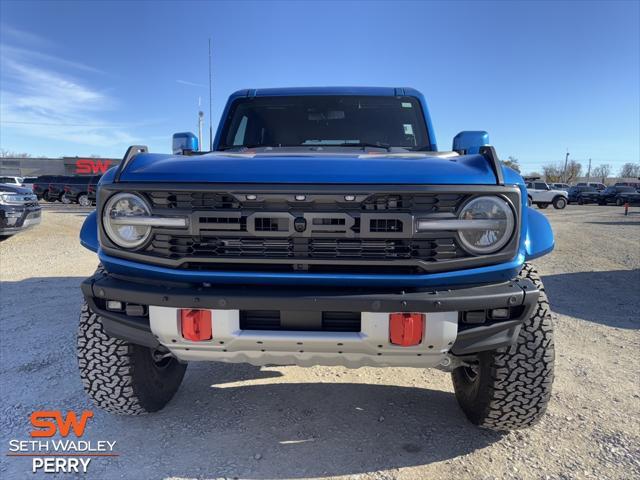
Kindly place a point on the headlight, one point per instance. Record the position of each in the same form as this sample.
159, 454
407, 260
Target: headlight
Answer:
119, 220
490, 226
16, 198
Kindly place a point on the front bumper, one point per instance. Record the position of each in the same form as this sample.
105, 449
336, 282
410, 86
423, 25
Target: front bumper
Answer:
447, 329
15, 218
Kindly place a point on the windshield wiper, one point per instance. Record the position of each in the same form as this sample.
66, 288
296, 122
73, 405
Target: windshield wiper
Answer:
240, 147
386, 146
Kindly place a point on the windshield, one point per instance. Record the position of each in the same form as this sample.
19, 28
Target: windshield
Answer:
322, 120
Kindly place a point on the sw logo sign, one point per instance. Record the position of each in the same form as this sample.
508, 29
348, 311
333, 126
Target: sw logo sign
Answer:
47, 423
85, 166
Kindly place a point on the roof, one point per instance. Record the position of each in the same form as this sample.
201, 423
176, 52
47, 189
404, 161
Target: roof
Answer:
375, 91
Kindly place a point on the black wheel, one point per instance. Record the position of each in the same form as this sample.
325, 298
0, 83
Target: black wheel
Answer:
559, 203
83, 200
47, 197
529, 201
619, 202
542, 205
580, 201
510, 387
64, 199
121, 377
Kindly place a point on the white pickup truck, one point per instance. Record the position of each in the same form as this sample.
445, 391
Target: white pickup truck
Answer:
542, 195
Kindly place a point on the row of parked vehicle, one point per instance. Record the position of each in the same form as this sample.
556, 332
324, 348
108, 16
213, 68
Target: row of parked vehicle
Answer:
560, 195
59, 188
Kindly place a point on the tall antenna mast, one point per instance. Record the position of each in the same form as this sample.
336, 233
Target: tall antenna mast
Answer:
210, 108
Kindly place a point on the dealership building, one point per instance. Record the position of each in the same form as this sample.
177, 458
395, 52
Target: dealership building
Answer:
34, 167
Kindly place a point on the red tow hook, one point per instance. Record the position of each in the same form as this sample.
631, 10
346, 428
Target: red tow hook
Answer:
196, 325
406, 328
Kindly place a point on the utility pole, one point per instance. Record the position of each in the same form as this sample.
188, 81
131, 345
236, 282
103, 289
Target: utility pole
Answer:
589, 172
210, 103
564, 174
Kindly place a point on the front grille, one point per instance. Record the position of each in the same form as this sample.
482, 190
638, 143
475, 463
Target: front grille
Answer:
192, 248
302, 321
350, 230
423, 202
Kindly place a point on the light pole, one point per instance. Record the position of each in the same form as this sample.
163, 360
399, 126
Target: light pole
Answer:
564, 173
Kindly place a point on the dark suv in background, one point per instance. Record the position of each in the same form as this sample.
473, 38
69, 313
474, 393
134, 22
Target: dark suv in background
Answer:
41, 186
575, 194
619, 195
81, 190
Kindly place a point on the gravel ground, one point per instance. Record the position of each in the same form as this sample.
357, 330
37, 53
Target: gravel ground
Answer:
327, 422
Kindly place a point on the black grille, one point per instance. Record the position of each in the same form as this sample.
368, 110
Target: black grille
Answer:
192, 248
423, 202
193, 200
305, 321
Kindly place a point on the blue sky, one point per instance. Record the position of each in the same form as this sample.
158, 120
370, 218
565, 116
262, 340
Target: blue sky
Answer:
82, 78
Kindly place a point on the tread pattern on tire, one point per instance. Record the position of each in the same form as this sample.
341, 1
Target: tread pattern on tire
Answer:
106, 367
521, 376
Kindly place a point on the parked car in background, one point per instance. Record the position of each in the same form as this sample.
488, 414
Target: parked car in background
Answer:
588, 195
41, 186
11, 180
56, 189
575, 192
635, 185
598, 186
27, 182
77, 189
19, 209
619, 195
560, 186
543, 195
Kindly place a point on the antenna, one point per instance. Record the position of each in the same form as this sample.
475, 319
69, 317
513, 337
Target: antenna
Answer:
210, 109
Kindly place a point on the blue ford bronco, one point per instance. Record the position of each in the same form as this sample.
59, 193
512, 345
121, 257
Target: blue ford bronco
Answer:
325, 228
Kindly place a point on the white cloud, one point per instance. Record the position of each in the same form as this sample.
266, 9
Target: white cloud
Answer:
191, 84
38, 100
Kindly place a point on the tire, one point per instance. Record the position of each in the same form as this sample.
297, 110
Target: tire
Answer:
529, 201
83, 200
64, 199
619, 202
542, 206
580, 201
121, 377
46, 196
510, 388
559, 203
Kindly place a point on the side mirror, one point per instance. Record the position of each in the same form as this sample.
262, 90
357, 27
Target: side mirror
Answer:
469, 142
184, 143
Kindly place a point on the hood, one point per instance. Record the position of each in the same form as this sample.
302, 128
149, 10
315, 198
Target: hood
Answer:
325, 168
6, 188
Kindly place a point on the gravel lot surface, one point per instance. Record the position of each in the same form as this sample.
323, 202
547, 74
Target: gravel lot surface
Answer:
327, 422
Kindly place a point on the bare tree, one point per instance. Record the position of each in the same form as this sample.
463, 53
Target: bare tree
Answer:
574, 169
602, 172
552, 172
630, 170
9, 154
512, 162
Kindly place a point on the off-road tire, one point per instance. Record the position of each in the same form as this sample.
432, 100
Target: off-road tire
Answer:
511, 387
121, 377
559, 202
